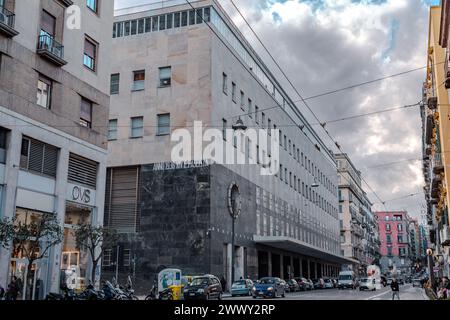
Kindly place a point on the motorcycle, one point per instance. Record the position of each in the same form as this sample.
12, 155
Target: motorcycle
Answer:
166, 294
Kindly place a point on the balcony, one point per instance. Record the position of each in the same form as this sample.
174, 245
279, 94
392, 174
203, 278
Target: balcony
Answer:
444, 235
51, 50
432, 103
7, 21
438, 167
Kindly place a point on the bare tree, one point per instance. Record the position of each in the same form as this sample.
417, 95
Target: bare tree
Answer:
95, 240
31, 238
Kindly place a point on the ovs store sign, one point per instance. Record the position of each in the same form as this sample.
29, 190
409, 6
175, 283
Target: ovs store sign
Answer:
80, 194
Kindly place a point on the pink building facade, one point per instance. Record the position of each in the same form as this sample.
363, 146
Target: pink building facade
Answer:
395, 246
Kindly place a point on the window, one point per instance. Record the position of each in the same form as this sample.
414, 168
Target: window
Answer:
138, 80
112, 130
400, 238
263, 120
388, 227
285, 175
269, 126
165, 76
115, 83
388, 238
162, 23
191, 17
133, 27
233, 92
176, 21
38, 157
285, 142
290, 147
86, 113
107, 258
126, 257
206, 14
3, 135
141, 23
137, 127
82, 171
90, 52
155, 24
257, 114
225, 83
184, 19
250, 108
163, 124
400, 227
224, 129
93, 5
242, 100
169, 21
44, 92
389, 251
199, 16
127, 28
281, 172
48, 23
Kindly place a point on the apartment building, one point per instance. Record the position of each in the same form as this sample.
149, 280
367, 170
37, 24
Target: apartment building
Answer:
435, 132
173, 65
54, 101
397, 250
359, 228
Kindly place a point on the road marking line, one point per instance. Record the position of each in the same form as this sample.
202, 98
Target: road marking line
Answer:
378, 295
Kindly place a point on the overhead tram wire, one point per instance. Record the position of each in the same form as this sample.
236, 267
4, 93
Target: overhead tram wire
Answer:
298, 93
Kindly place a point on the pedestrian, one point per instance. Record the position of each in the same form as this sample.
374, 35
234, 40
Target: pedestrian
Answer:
395, 289
13, 289
223, 282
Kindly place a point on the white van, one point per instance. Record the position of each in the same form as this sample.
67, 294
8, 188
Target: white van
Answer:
347, 279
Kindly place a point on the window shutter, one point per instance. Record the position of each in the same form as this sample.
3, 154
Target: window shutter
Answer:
122, 199
48, 23
50, 160
82, 171
89, 48
86, 110
36, 156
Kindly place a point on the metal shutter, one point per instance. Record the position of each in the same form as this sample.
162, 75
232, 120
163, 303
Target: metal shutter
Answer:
82, 171
50, 160
122, 199
36, 156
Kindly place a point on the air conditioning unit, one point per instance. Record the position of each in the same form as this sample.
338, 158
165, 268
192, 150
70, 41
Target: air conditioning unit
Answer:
166, 82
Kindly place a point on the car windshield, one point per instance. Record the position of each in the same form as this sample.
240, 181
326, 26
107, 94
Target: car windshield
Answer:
200, 282
327, 280
345, 277
239, 283
267, 281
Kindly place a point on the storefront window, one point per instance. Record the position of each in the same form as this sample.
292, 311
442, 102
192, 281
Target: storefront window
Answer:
74, 261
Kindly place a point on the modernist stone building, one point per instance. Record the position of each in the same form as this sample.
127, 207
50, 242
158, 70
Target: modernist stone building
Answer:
54, 100
174, 65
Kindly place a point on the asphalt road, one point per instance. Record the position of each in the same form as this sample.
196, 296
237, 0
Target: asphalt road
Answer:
407, 292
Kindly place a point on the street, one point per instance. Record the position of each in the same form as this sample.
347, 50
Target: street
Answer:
407, 292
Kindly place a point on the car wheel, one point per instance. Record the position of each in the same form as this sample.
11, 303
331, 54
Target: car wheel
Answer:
254, 297
219, 297
207, 296
249, 292
283, 295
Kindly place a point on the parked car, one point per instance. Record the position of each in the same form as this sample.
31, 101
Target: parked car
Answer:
293, 285
286, 286
310, 284
327, 283
269, 287
367, 284
318, 283
303, 283
205, 288
242, 288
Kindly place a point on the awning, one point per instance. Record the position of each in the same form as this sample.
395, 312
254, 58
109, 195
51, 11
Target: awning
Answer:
300, 247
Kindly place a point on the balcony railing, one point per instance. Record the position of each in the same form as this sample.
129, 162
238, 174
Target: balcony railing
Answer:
7, 22
51, 49
438, 167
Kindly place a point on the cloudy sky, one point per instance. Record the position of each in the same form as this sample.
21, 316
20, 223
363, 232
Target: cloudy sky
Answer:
329, 44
